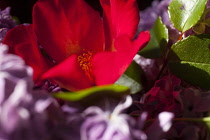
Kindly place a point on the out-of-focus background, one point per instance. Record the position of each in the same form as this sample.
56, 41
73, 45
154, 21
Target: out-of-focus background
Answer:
23, 8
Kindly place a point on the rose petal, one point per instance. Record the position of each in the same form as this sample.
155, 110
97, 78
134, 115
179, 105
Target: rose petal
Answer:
109, 66
64, 27
69, 75
120, 18
22, 41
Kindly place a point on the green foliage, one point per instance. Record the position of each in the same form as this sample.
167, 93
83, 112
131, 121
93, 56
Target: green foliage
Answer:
92, 95
184, 14
158, 42
132, 78
206, 121
200, 27
189, 59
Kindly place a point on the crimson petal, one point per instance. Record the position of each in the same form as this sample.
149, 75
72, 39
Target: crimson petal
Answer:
65, 27
109, 66
22, 41
121, 17
69, 75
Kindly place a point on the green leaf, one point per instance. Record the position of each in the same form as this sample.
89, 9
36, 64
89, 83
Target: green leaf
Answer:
16, 19
206, 121
189, 59
199, 28
184, 14
132, 78
158, 42
208, 22
92, 95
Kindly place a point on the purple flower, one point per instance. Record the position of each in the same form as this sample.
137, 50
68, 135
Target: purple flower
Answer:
109, 125
150, 15
6, 22
151, 68
160, 127
33, 114
24, 112
208, 4
48, 86
3, 32
115, 125
13, 69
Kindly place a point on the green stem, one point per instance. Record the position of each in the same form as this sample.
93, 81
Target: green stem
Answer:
205, 119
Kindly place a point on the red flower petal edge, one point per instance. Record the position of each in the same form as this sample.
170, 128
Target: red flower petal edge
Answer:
85, 49
22, 41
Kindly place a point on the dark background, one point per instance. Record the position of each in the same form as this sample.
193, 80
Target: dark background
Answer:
23, 8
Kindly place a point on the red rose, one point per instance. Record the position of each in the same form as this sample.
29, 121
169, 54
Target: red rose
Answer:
81, 48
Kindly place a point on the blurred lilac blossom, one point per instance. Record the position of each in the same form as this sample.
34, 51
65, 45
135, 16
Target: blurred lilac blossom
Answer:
208, 4
116, 125
48, 86
151, 68
26, 113
6, 22
150, 15
110, 125
13, 69
160, 126
33, 114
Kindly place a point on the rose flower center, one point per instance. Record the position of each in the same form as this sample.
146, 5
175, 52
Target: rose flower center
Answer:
85, 63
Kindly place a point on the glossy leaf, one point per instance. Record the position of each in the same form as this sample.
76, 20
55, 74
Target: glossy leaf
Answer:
158, 42
184, 14
91, 95
132, 78
189, 59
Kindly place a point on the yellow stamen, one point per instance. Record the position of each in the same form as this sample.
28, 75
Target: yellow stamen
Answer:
85, 63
